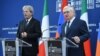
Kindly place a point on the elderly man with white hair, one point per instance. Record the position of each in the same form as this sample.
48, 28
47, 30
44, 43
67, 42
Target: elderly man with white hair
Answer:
74, 29
29, 30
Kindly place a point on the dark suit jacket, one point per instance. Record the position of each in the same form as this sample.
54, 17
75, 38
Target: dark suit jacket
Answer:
77, 28
33, 30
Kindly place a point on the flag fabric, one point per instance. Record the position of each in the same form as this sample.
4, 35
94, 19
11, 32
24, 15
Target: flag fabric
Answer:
61, 18
84, 16
98, 44
45, 30
42, 51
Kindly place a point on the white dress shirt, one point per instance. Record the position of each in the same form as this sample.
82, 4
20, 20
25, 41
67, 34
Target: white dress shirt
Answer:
28, 20
71, 21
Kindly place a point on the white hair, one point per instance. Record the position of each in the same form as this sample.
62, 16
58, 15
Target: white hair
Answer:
69, 8
29, 7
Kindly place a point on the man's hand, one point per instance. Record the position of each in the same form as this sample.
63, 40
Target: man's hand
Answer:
24, 34
76, 39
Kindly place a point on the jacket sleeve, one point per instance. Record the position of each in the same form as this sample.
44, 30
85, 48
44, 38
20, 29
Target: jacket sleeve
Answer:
83, 31
18, 31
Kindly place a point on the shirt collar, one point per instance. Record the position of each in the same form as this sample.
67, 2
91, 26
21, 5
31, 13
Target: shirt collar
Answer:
29, 19
72, 19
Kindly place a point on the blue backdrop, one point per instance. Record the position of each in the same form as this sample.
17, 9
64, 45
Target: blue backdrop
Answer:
11, 14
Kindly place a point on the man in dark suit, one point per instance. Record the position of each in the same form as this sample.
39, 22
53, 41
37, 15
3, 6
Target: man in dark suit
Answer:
74, 29
29, 30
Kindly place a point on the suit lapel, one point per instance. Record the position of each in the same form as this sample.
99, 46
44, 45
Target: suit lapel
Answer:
71, 26
29, 24
63, 29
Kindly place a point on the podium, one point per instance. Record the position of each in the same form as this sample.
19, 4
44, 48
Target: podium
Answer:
57, 47
13, 46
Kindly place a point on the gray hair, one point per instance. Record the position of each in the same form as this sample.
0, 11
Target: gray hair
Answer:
29, 7
69, 8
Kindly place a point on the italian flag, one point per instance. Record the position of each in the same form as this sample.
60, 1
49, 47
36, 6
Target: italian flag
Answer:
45, 30
84, 16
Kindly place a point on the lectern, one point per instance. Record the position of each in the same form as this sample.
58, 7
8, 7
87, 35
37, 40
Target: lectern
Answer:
13, 46
57, 47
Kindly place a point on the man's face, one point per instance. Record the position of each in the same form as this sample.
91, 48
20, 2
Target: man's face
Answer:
27, 13
68, 14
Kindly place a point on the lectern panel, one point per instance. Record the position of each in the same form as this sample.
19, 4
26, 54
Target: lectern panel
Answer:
10, 48
54, 48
